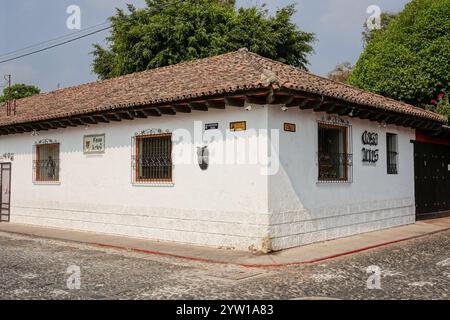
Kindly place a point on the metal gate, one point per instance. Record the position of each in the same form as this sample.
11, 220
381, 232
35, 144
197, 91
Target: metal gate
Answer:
5, 191
432, 180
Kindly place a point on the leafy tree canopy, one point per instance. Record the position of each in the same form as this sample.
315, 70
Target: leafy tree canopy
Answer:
410, 61
18, 91
368, 34
168, 32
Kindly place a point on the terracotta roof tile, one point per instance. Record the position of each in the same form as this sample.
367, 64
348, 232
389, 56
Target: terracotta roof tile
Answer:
224, 74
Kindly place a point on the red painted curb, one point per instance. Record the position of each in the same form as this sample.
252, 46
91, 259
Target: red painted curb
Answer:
165, 254
268, 265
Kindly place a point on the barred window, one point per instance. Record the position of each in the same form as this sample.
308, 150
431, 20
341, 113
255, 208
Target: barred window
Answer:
334, 160
392, 153
46, 163
153, 158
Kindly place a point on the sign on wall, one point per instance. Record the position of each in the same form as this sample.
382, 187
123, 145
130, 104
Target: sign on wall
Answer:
211, 126
238, 126
290, 127
93, 144
370, 155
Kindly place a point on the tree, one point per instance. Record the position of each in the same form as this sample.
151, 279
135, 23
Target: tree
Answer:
368, 34
168, 32
410, 61
18, 91
341, 72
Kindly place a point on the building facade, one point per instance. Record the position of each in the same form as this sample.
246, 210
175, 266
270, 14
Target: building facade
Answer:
253, 163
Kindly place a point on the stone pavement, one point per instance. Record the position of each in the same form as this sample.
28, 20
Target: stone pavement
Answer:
38, 268
300, 255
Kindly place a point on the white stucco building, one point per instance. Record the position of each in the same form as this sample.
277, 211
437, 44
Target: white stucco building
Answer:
233, 151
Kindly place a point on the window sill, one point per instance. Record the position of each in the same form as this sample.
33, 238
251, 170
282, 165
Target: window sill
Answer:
44, 183
335, 182
153, 184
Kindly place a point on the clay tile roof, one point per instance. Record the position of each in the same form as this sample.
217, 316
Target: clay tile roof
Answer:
225, 74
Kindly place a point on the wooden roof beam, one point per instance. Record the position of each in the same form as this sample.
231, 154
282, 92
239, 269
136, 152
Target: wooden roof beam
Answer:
101, 118
198, 106
258, 100
153, 112
215, 104
234, 102
112, 117
182, 108
168, 110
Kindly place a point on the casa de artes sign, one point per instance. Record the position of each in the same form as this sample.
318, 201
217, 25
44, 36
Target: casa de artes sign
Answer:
370, 139
93, 144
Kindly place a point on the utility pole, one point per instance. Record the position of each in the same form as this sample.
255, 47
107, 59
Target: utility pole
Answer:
9, 96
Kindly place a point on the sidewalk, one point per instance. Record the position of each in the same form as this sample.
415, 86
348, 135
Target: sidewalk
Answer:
301, 255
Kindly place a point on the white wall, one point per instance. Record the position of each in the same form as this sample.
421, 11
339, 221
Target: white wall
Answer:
305, 211
223, 206
227, 205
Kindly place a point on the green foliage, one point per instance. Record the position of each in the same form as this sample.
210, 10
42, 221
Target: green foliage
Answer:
441, 104
386, 18
410, 61
168, 32
18, 91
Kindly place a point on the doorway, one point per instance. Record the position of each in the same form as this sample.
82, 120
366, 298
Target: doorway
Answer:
5, 192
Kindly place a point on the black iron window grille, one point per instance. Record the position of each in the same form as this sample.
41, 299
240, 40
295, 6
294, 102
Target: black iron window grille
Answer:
335, 162
392, 153
152, 158
46, 163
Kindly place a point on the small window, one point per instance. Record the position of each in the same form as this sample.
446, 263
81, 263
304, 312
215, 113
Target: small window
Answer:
46, 164
392, 153
334, 159
153, 159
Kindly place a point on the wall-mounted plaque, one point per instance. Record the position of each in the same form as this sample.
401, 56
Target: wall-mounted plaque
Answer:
290, 127
93, 144
211, 126
370, 155
238, 126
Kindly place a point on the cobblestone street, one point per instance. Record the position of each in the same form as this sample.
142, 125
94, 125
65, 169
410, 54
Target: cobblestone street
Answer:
34, 268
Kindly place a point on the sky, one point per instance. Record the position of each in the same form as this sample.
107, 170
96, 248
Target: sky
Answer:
337, 25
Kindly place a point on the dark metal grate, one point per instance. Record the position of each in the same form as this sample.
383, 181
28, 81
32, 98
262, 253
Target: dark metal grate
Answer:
335, 162
46, 164
392, 154
335, 167
152, 161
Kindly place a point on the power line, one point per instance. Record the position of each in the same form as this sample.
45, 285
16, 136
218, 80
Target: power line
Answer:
65, 42
55, 45
52, 40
